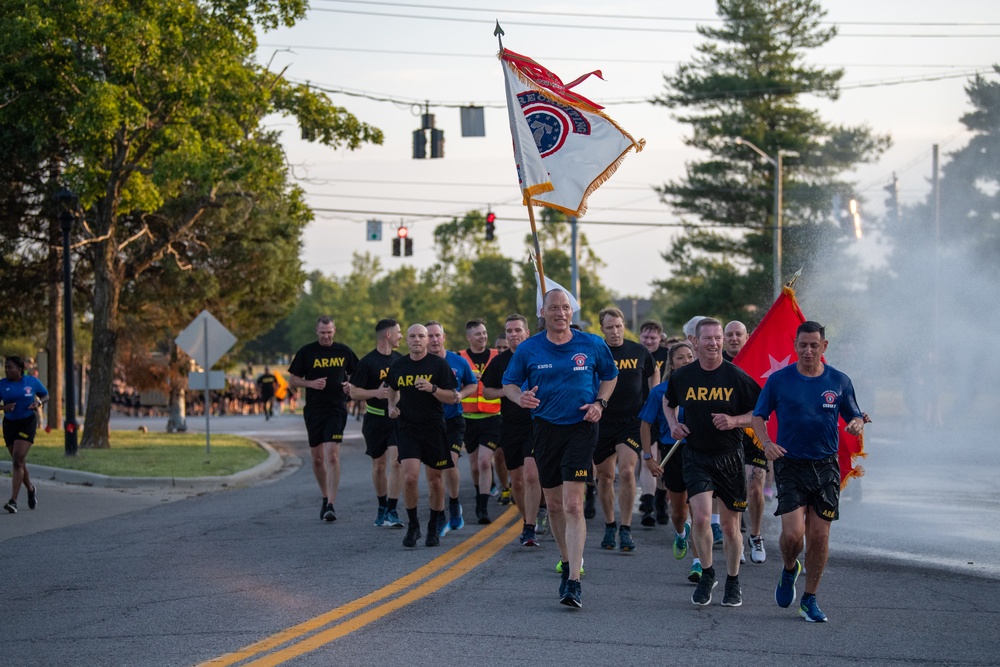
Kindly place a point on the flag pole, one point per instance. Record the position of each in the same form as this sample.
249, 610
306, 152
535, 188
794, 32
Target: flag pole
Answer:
670, 453
538, 250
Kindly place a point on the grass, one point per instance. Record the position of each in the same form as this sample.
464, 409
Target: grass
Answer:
137, 454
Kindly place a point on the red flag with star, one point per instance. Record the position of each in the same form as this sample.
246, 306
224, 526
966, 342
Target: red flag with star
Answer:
771, 347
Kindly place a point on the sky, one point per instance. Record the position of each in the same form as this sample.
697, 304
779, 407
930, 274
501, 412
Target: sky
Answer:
906, 64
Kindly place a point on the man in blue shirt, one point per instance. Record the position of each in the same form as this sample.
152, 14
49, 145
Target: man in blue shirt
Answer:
571, 375
20, 396
807, 398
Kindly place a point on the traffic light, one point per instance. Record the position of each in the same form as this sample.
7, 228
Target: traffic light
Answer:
491, 219
419, 145
397, 243
437, 143
407, 246
396, 247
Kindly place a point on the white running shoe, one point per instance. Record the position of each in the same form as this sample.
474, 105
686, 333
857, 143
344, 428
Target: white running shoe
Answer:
757, 552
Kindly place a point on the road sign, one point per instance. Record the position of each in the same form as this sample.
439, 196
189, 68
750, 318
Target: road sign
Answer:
216, 381
374, 230
205, 340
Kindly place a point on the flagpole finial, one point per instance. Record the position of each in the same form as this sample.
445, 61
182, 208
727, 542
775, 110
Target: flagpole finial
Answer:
795, 277
498, 31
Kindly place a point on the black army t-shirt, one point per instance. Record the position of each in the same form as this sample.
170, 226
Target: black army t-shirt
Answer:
725, 390
418, 407
334, 362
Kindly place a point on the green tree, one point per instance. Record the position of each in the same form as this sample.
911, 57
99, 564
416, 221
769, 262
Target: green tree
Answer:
154, 112
745, 82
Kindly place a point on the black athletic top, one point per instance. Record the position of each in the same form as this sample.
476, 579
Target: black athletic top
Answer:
512, 413
725, 390
335, 362
635, 367
372, 371
417, 408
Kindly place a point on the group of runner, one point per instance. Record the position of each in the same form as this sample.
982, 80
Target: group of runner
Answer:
563, 411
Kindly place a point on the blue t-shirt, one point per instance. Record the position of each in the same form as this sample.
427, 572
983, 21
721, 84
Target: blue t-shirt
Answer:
652, 413
22, 394
807, 410
567, 375
463, 374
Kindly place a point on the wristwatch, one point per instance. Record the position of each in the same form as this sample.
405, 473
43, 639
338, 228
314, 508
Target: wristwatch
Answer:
646, 456
603, 402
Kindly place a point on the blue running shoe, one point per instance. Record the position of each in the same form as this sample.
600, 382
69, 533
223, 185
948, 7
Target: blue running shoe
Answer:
785, 592
681, 542
443, 525
810, 611
380, 517
571, 597
456, 522
392, 519
716, 533
625, 541
609, 537
694, 576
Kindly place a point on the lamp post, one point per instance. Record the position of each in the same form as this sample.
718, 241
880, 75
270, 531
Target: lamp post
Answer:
68, 202
776, 163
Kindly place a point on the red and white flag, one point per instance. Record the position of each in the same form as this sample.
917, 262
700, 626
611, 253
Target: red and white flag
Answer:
771, 347
565, 147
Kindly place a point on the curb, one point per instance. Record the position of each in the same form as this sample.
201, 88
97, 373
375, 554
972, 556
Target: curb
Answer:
270, 466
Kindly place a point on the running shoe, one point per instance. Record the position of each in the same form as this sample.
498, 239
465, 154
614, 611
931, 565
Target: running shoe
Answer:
542, 522
716, 533
733, 597
11, 506
443, 525
681, 542
506, 497
32, 500
432, 534
809, 610
494, 491
757, 552
625, 541
528, 538
412, 535
564, 578
609, 538
329, 515
392, 519
560, 568
694, 576
380, 517
703, 593
589, 504
785, 592
483, 517
322, 510
572, 597
456, 521
646, 509
647, 519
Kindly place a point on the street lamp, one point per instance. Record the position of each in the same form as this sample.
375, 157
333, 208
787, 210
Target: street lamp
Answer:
776, 163
68, 203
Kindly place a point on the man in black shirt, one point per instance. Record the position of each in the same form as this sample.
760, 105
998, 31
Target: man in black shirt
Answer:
369, 384
618, 431
323, 368
266, 384
718, 400
418, 385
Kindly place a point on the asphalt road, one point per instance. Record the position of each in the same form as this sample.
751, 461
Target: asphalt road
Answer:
252, 576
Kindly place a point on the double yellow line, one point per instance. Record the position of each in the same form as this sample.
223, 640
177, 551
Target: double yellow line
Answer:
311, 635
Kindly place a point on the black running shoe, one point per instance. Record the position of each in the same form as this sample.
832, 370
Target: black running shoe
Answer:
572, 596
11, 506
322, 510
32, 500
483, 517
733, 597
412, 535
648, 520
433, 539
703, 593
329, 515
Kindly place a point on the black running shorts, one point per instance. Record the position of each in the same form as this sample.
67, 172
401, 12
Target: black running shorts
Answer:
485, 432
808, 483
673, 471
753, 455
19, 429
325, 425
614, 431
721, 473
426, 442
516, 442
380, 434
564, 452
454, 433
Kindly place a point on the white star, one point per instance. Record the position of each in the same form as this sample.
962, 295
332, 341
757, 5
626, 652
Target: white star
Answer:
776, 365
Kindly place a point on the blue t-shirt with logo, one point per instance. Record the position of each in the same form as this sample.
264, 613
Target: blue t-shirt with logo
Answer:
22, 394
807, 410
463, 374
567, 375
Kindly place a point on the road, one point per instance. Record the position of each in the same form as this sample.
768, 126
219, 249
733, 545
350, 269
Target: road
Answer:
252, 576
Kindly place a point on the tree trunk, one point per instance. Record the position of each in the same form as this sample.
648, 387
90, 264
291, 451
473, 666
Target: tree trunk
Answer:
108, 278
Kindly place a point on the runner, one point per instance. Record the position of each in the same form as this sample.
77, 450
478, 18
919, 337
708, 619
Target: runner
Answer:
718, 399
368, 384
571, 375
419, 384
323, 368
267, 383
618, 432
21, 396
454, 424
654, 494
515, 434
807, 398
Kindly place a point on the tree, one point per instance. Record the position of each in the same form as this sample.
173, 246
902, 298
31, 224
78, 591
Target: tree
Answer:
745, 83
153, 113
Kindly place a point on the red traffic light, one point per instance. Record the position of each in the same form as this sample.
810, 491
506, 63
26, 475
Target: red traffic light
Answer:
491, 218
401, 232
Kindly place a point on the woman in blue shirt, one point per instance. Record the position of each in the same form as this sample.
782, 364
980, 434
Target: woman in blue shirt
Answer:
21, 396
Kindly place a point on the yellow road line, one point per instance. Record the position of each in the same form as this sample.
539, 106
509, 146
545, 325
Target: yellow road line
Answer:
442, 561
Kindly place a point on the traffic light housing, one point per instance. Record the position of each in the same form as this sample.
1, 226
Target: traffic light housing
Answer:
419, 145
437, 143
396, 247
407, 246
491, 219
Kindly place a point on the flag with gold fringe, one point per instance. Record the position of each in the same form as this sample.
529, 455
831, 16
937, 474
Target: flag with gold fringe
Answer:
565, 147
771, 347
